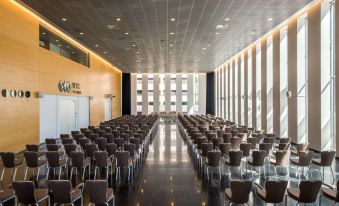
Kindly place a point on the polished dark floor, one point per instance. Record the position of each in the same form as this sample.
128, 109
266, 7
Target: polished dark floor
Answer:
169, 177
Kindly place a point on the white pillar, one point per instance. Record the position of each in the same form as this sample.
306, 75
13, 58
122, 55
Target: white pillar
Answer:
179, 92
144, 93
167, 92
156, 92
190, 93
133, 94
202, 93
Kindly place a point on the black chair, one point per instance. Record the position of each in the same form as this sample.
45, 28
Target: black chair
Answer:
27, 194
99, 193
63, 193
10, 162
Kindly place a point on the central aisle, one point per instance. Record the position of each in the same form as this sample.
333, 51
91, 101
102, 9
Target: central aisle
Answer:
168, 176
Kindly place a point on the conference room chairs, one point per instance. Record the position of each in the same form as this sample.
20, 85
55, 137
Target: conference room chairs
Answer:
273, 192
55, 162
33, 162
238, 192
330, 192
304, 161
213, 162
79, 161
10, 162
99, 193
63, 193
325, 160
27, 194
102, 160
307, 192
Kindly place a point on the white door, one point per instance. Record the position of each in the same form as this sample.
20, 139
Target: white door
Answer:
67, 115
108, 109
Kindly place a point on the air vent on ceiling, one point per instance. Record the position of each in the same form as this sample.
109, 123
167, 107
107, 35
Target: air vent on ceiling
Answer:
112, 27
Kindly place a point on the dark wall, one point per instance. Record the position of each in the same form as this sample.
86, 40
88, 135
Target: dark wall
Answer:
210, 109
126, 93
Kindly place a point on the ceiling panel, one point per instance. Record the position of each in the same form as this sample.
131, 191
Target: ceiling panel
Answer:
154, 43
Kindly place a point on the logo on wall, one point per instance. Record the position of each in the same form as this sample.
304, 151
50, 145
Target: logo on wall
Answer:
14, 93
69, 87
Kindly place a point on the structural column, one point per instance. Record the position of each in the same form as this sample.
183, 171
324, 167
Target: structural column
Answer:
167, 92
238, 82
245, 87
156, 92
133, 93
202, 93
190, 93
276, 81
254, 86
314, 74
264, 84
178, 92
144, 93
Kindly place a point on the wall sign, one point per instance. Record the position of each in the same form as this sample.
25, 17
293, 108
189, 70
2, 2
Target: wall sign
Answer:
69, 87
14, 93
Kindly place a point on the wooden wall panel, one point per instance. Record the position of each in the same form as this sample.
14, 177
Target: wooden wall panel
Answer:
24, 65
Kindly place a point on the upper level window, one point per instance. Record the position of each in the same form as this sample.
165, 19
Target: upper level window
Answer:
56, 44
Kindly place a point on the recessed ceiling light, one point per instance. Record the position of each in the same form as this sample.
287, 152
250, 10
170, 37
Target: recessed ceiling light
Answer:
43, 33
67, 46
73, 52
59, 45
138, 52
81, 33
227, 19
208, 45
133, 45
96, 45
220, 27
238, 45
204, 48
269, 19
57, 40
118, 19
171, 33
216, 33
171, 45
64, 19
105, 52
126, 33
172, 19
170, 52
253, 33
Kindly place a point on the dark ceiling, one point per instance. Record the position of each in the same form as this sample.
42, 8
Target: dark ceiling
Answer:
203, 35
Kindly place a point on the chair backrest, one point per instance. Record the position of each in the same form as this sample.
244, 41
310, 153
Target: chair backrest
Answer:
119, 142
90, 148
227, 137
282, 158
220, 133
240, 191
327, 158
235, 157
67, 141
265, 146
303, 147
8, 159
52, 147
225, 148
253, 141
32, 147
269, 140
284, 146
111, 148
102, 143
77, 158
125, 136
70, 148
136, 142
109, 137
61, 190
122, 158
50, 141
213, 158
31, 159
246, 149
337, 196
309, 190
96, 190
305, 158
205, 148
94, 137
217, 141
53, 159
100, 158
83, 142
275, 190
258, 157
24, 191
285, 140
131, 148
235, 142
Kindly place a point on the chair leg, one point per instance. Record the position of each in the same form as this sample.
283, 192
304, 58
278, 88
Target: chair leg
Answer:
2, 173
332, 173
59, 172
26, 171
95, 172
47, 173
14, 175
37, 174
208, 177
219, 172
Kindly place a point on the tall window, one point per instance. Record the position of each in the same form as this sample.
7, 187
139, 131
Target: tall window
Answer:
222, 106
231, 91
236, 100
162, 93
184, 92
283, 84
196, 93
302, 79
226, 92
217, 92
139, 92
150, 93
328, 131
258, 85
242, 90
249, 88
173, 93
269, 91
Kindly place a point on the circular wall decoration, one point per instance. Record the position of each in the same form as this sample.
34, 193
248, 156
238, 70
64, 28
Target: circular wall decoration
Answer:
21, 93
27, 94
13, 93
5, 93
